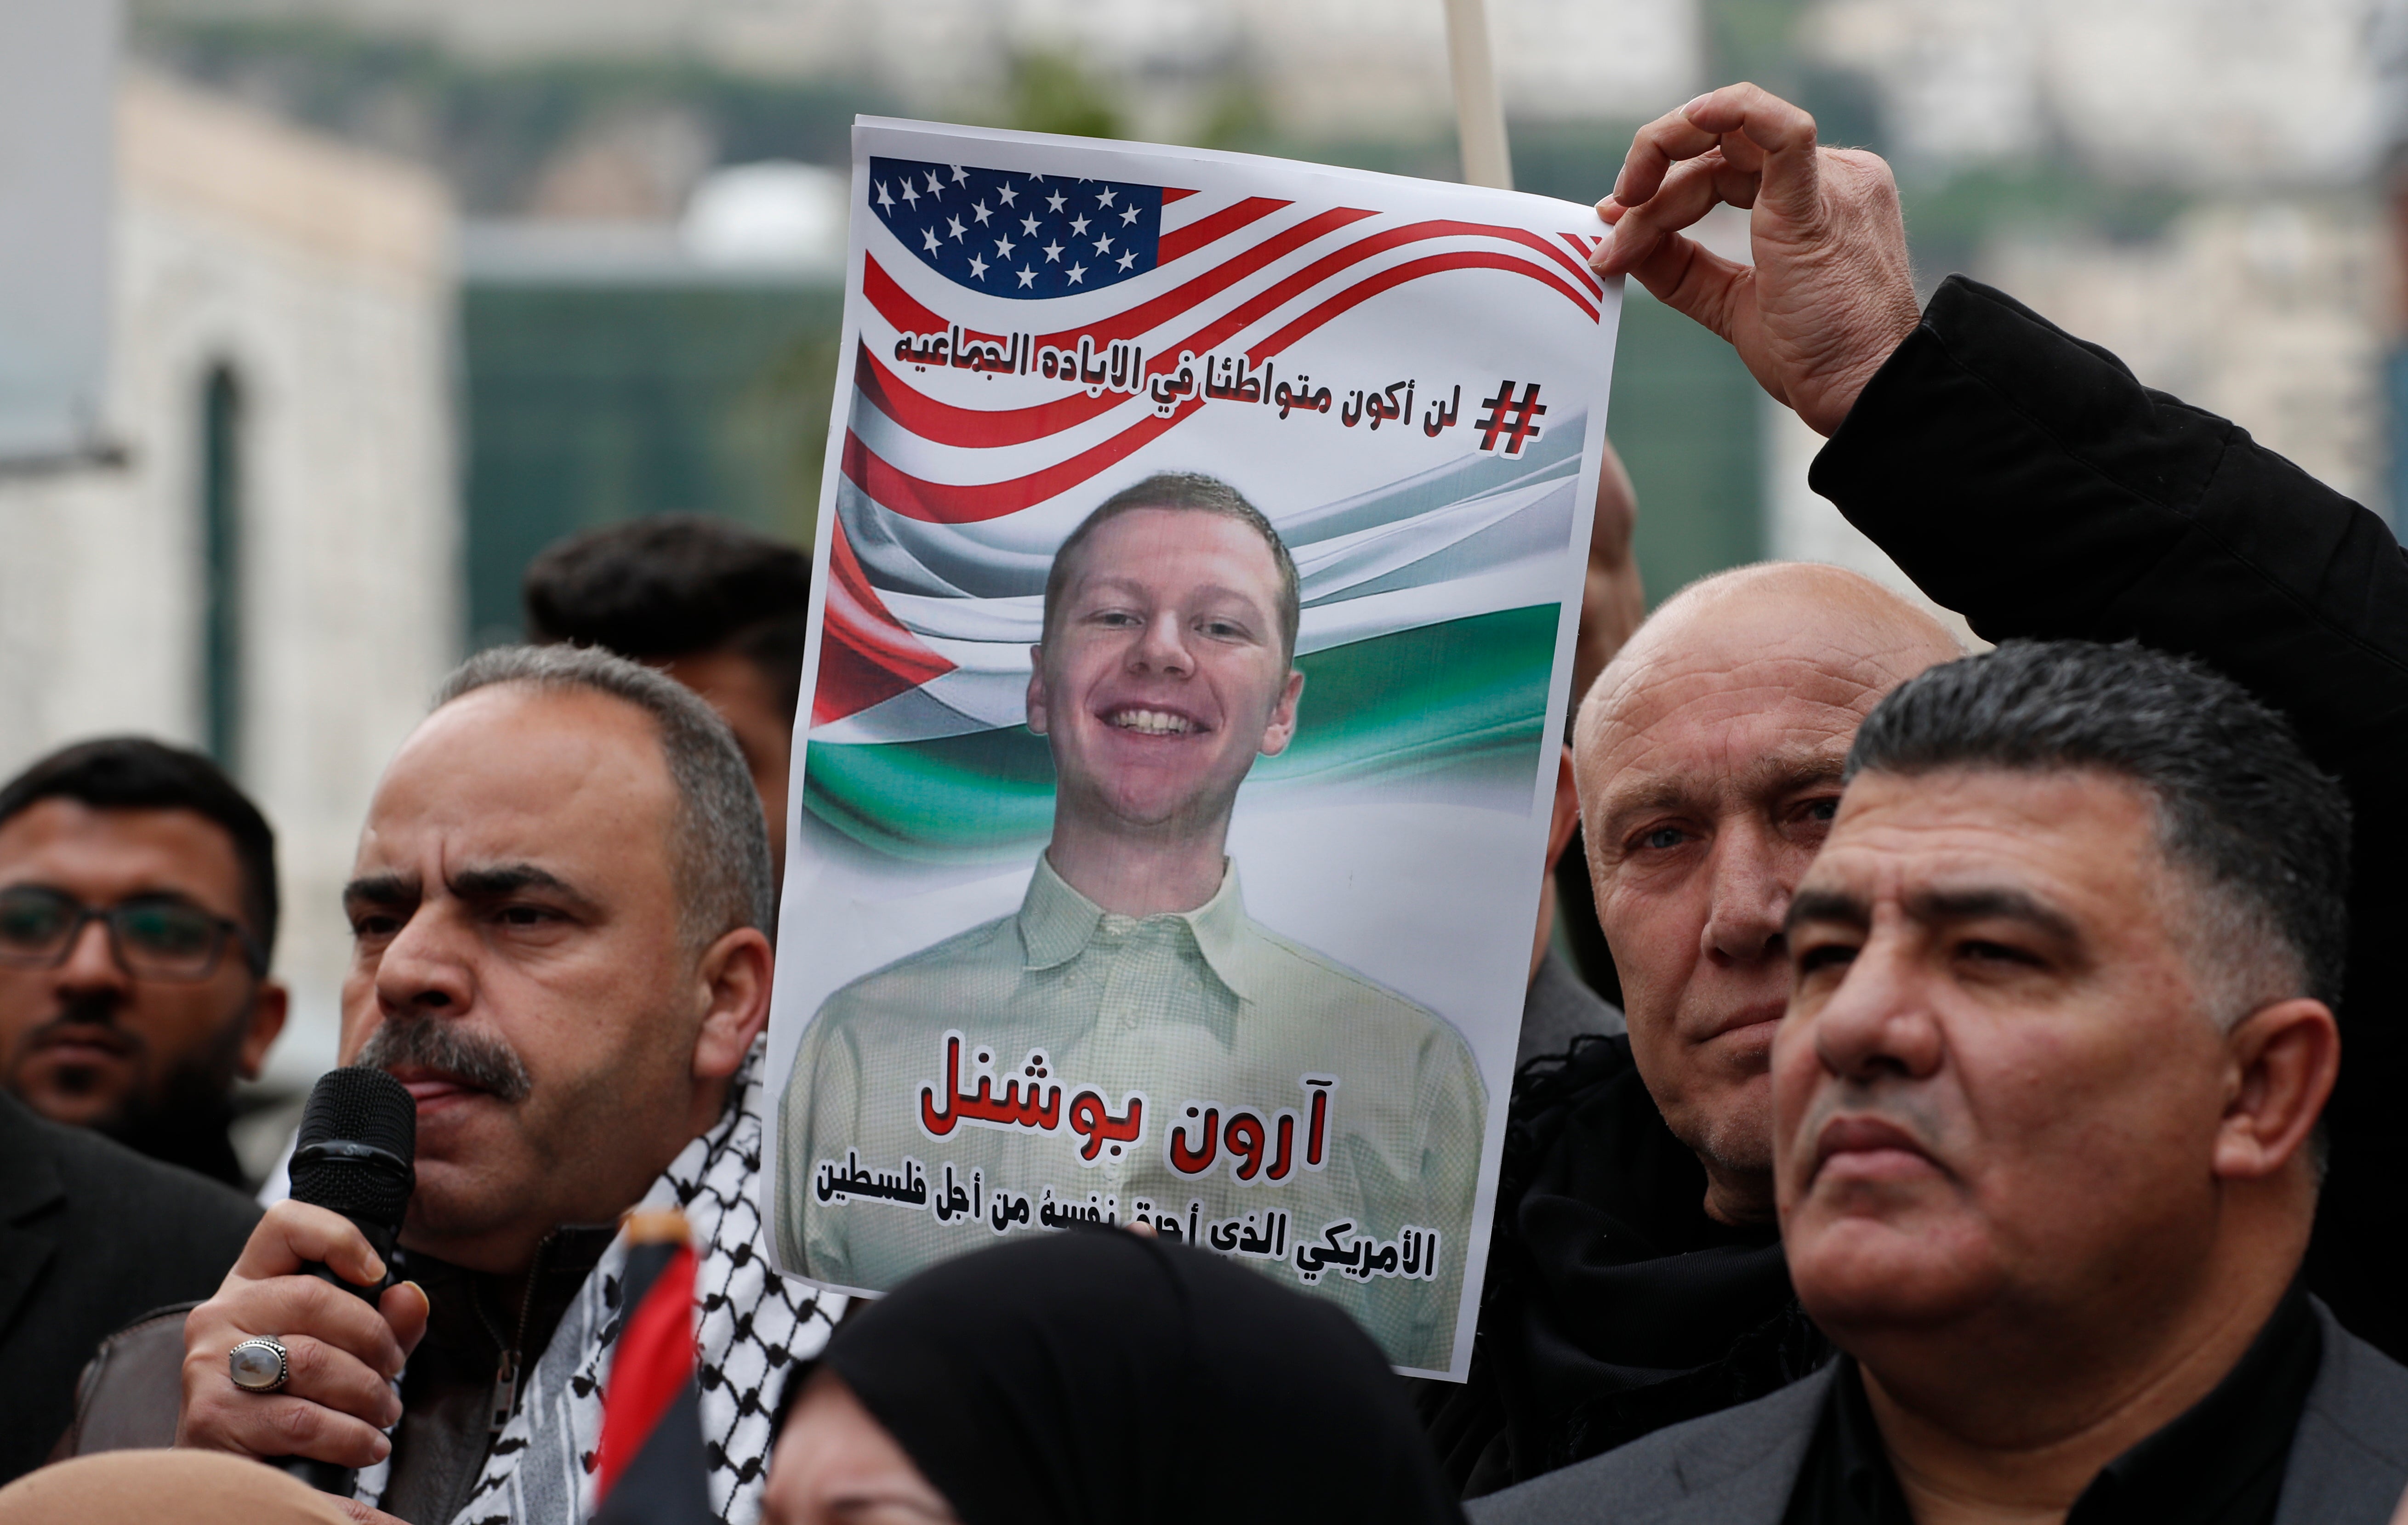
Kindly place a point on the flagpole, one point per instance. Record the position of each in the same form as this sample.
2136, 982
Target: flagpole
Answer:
1479, 110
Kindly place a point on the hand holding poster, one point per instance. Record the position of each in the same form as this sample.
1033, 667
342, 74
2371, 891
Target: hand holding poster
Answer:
1200, 556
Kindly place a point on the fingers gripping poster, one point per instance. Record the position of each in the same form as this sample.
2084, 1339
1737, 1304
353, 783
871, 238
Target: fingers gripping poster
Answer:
1198, 563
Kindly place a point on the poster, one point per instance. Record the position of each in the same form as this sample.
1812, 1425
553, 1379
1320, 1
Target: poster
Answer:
1199, 556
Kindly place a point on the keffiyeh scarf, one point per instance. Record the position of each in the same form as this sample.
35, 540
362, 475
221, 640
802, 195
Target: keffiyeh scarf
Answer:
752, 1326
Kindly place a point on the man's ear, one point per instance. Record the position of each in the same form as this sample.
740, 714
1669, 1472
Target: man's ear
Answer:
1036, 689
735, 973
1568, 817
2280, 1064
1282, 729
270, 1006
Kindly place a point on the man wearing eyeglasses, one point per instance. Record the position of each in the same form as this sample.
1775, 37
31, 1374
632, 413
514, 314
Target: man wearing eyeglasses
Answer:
138, 906
137, 903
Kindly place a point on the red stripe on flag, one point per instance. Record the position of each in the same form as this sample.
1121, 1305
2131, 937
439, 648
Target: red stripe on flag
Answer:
1171, 193
1148, 315
1228, 219
1578, 269
1371, 286
982, 427
655, 1359
1272, 299
865, 654
894, 304
1356, 253
946, 503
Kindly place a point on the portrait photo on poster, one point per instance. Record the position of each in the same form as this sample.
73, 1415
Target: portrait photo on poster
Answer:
1198, 561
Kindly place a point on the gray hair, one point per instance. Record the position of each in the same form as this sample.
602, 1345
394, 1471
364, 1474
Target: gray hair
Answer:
2259, 833
720, 842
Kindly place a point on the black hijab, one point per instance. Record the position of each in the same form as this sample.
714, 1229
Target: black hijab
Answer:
1092, 1378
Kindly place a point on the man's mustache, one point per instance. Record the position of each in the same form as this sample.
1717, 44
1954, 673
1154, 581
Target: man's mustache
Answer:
86, 1009
1905, 1108
474, 1058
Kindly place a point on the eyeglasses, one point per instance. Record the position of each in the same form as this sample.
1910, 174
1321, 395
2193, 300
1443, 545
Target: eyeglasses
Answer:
153, 936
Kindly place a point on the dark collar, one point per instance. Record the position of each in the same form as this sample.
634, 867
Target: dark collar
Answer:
2220, 1462
2223, 1460
474, 1317
194, 1137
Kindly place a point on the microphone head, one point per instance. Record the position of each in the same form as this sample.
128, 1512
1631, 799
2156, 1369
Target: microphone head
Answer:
359, 1135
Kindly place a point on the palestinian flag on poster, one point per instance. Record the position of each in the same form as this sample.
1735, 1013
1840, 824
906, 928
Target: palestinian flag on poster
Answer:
1430, 608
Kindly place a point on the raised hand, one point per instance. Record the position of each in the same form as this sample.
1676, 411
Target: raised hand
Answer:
1830, 295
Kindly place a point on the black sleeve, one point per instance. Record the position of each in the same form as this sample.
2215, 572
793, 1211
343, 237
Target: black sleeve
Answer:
2028, 481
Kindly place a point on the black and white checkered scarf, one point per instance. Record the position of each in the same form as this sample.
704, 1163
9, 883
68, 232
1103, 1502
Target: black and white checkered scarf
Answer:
752, 1326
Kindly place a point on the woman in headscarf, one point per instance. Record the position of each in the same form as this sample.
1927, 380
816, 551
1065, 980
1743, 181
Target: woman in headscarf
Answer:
1096, 1377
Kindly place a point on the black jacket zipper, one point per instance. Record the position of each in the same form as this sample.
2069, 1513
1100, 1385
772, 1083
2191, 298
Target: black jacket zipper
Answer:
506, 1374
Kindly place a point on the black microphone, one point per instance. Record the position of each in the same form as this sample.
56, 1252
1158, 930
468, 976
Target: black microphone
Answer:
354, 1154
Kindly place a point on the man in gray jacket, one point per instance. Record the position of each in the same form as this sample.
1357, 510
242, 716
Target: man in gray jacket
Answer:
2044, 1108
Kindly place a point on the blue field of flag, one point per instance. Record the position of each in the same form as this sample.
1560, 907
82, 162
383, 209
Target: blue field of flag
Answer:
1013, 235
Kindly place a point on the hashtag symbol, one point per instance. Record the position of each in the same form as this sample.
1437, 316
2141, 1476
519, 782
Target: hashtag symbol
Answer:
1523, 424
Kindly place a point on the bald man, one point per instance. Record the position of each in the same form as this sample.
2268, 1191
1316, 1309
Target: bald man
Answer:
1708, 762
1637, 1277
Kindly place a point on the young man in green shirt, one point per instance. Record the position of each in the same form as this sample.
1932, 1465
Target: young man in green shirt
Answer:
1166, 1057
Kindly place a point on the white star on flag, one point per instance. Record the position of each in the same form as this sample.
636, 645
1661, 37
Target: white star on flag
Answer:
979, 213
1052, 252
1078, 226
884, 200
1106, 199
1127, 260
978, 266
930, 234
953, 226
1077, 273
1028, 277
1007, 195
1003, 248
1028, 225
1054, 201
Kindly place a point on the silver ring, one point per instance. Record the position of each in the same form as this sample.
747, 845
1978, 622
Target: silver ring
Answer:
248, 1364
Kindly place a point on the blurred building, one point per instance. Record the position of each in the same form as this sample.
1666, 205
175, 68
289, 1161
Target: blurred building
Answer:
2193, 184
261, 558
2391, 59
615, 366
1336, 67
2272, 313
2211, 95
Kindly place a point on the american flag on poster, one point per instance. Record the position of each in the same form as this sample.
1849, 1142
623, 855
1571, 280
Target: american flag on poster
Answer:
1027, 340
